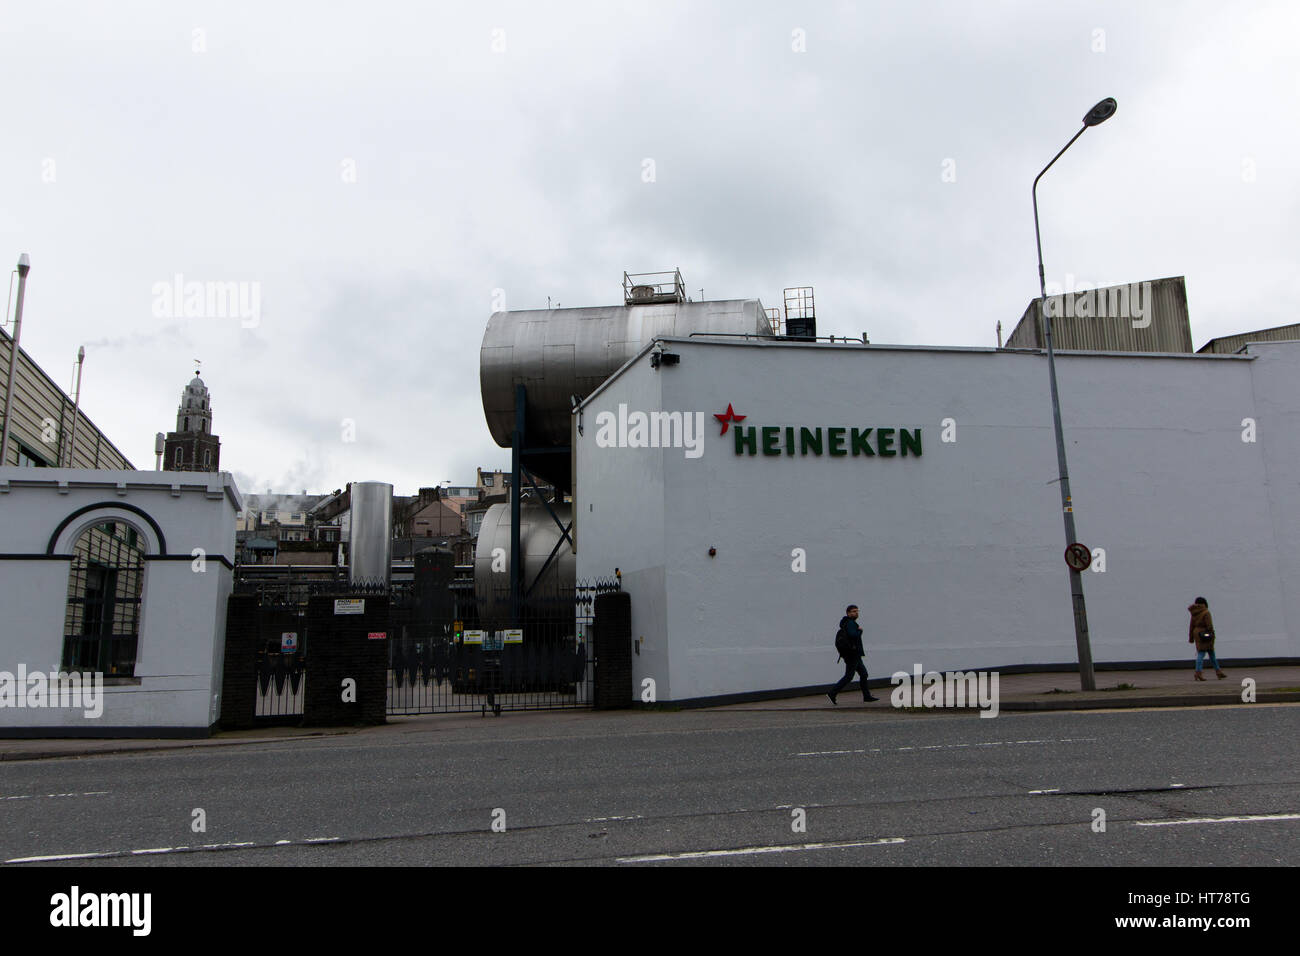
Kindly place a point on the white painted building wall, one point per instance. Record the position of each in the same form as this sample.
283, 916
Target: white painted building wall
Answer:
955, 557
179, 656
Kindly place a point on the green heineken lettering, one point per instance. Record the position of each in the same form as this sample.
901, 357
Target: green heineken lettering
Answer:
889, 443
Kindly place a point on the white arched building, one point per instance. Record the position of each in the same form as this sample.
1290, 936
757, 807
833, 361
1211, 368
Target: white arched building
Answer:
123, 574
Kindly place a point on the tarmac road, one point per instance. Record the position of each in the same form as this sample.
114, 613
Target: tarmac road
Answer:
719, 787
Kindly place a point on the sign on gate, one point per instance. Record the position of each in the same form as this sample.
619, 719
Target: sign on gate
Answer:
350, 606
513, 635
288, 642
473, 637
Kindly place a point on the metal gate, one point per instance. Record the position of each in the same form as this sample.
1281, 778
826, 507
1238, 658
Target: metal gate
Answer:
280, 654
487, 662
463, 654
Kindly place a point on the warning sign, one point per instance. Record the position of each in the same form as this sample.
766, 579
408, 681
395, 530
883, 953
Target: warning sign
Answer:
350, 606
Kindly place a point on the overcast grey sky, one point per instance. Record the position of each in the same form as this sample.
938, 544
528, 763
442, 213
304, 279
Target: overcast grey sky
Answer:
375, 172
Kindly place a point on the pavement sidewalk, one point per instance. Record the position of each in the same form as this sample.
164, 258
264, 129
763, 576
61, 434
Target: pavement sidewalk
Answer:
1038, 691
1060, 690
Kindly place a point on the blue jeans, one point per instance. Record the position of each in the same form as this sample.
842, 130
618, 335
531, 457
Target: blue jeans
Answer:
1200, 656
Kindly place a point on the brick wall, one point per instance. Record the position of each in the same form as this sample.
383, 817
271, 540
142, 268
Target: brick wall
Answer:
613, 646
342, 649
238, 681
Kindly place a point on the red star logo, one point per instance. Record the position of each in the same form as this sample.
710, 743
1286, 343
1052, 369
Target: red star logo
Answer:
731, 416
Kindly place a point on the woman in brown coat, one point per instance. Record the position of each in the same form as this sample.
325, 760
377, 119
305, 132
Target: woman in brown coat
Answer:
1201, 633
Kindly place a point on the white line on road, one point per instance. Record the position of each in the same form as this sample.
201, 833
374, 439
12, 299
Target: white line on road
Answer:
1247, 819
164, 849
748, 850
32, 796
991, 743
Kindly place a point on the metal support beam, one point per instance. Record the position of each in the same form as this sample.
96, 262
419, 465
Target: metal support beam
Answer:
516, 470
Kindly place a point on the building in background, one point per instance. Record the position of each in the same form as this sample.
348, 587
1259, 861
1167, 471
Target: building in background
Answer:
315, 529
41, 434
1235, 344
459, 496
284, 529
192, 446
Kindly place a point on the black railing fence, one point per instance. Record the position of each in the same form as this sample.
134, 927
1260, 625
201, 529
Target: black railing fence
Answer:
486, 660
447, 650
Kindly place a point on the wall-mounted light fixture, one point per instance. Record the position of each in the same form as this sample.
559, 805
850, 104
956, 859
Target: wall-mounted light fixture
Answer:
664, 358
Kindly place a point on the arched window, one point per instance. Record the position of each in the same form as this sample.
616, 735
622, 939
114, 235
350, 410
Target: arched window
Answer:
207, 457
187, 423
180, 456
102, 622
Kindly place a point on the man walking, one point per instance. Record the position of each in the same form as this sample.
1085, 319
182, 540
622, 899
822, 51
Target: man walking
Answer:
849, 643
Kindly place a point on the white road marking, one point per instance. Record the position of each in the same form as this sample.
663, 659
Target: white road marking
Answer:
1053, 790
1247, 819
750, 850
31, 796
634, 816
992, 743
163, 849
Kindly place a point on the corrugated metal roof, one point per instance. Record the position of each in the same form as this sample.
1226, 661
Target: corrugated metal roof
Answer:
38, 399
1148, 316
1231, 344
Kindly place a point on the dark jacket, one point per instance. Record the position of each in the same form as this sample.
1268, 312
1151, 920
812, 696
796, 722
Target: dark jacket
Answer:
854, 631
1200, 623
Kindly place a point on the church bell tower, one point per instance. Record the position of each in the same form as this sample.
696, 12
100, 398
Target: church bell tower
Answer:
192, 446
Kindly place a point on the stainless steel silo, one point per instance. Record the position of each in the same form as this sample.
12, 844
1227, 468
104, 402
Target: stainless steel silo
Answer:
538, 536
371, 555
561, 353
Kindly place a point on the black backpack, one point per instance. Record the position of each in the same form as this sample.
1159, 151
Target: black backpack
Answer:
844, 644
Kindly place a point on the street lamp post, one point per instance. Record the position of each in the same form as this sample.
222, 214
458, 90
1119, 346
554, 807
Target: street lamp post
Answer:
24, 266
1095, 116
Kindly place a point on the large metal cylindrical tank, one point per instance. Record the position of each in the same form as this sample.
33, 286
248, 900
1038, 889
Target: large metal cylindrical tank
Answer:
560, 353
538, 535
370, 557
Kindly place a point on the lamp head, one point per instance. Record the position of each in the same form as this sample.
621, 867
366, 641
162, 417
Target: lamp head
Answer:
1101, 112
